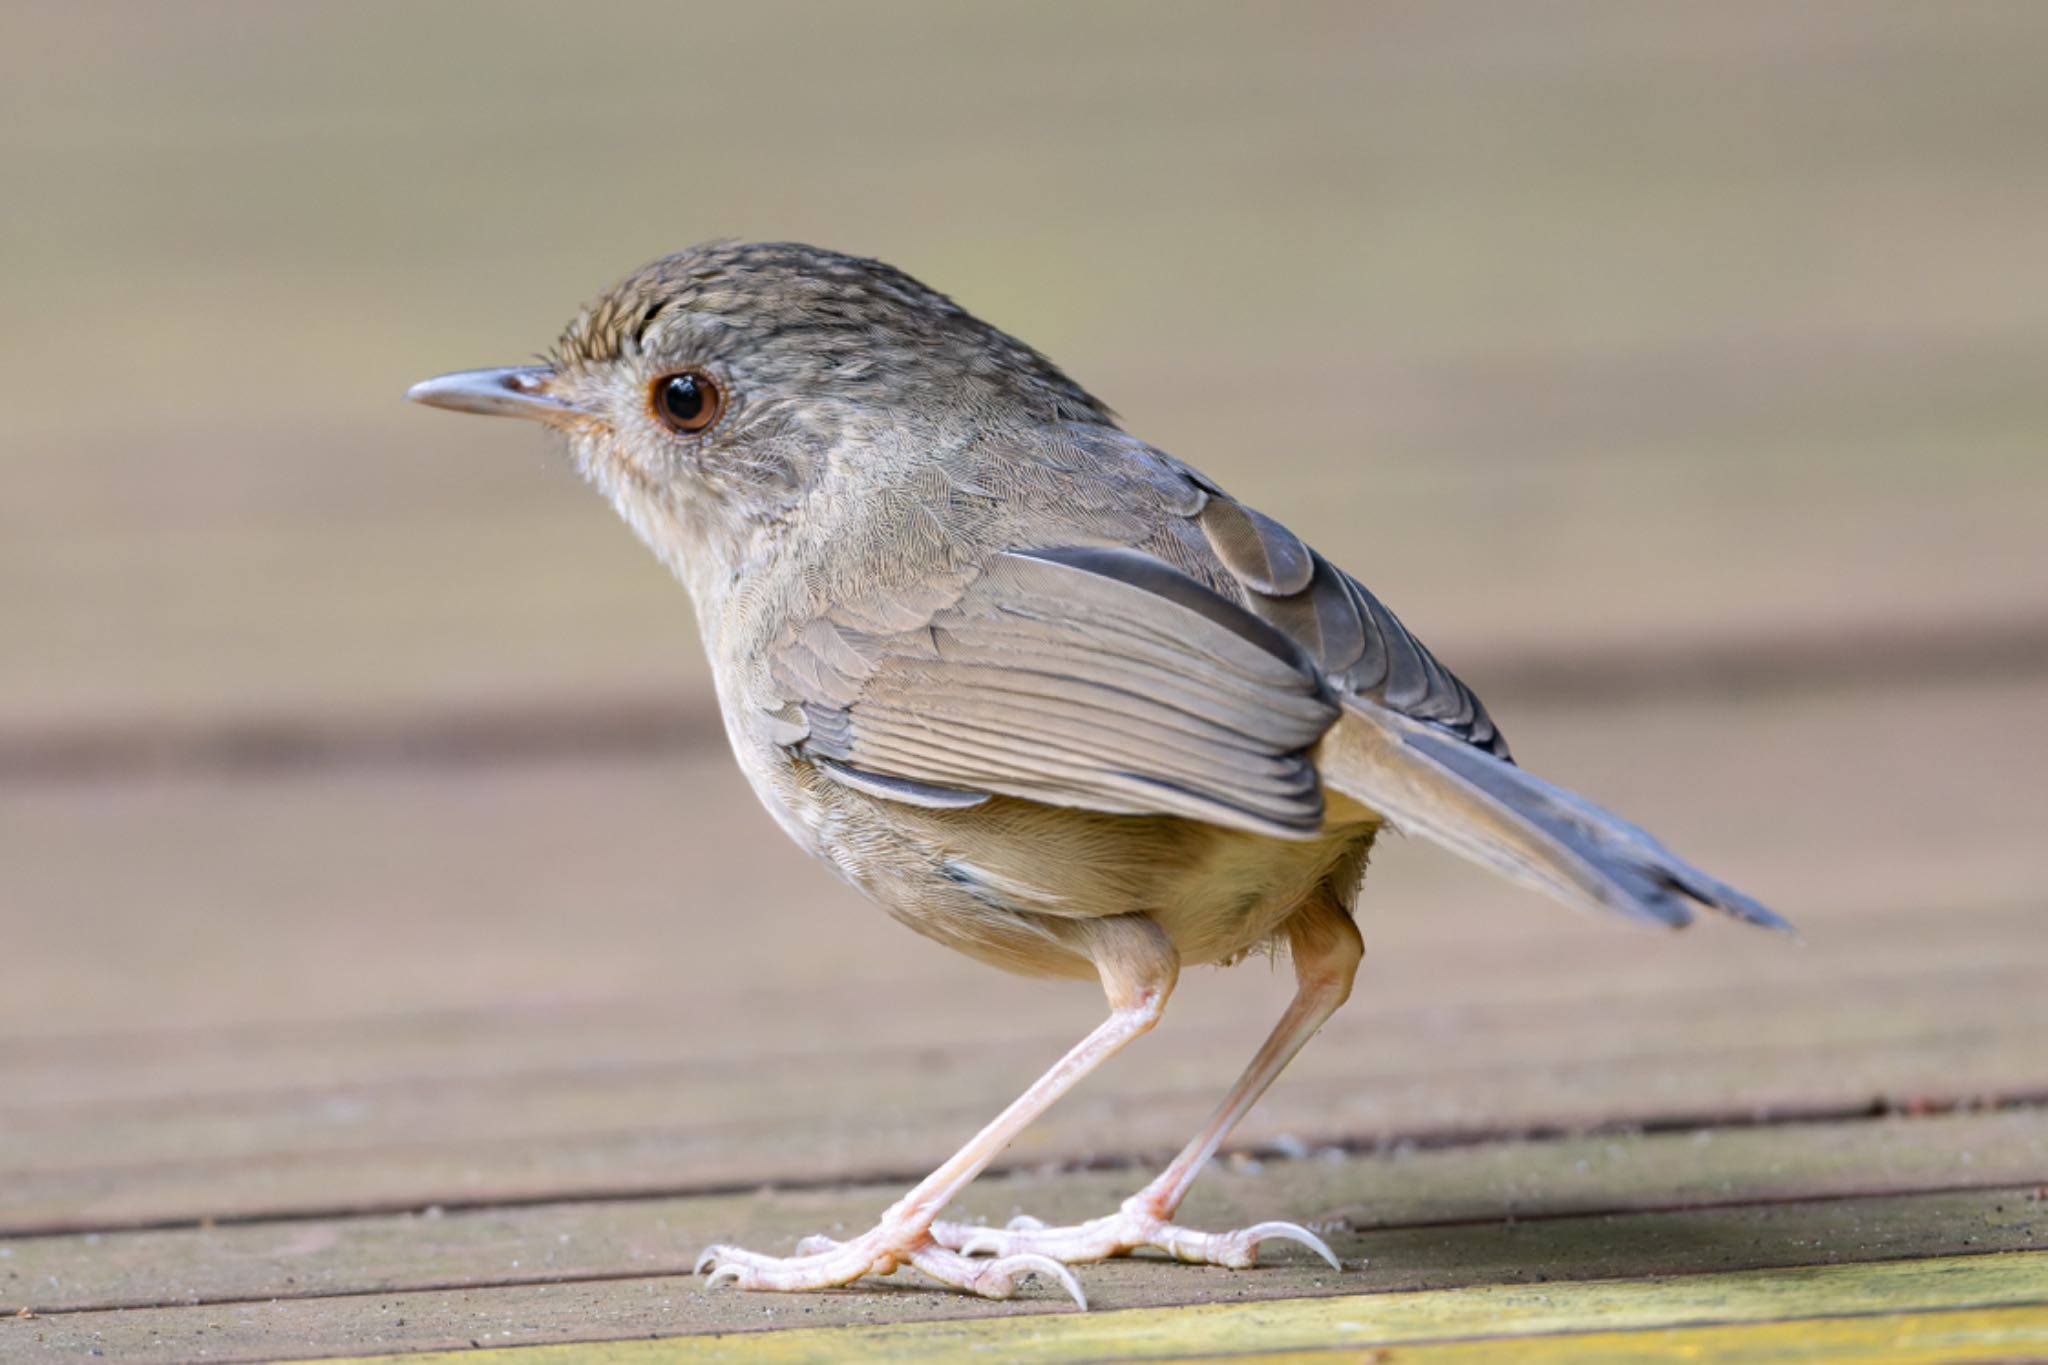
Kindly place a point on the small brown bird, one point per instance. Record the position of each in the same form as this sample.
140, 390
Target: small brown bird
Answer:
1050, 696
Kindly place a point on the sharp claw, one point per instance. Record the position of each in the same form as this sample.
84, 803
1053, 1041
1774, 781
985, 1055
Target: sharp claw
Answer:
728, 1271
1292, 1232
1031, 1264
1024, 1222
708, 1259
816, 1245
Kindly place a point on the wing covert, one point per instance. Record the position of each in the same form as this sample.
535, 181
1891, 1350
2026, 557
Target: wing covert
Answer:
1096, 678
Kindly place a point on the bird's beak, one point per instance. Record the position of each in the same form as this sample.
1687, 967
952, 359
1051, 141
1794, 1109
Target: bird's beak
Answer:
518, 392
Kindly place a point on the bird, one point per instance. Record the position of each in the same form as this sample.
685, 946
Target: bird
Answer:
1047, 694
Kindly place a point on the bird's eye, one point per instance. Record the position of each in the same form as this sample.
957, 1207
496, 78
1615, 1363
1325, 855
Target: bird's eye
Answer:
687, 402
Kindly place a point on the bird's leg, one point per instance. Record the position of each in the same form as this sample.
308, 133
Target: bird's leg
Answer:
1139, 966
1326, 949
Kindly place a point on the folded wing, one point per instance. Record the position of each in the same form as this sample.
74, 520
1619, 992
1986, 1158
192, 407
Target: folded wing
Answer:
1094, 678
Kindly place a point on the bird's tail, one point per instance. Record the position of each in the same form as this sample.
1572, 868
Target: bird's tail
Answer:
1424, 781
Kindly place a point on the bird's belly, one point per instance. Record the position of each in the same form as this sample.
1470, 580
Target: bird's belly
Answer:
1230, 901
1011, 882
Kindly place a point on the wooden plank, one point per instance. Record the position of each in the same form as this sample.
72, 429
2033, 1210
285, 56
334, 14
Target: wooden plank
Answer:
1843, 1315
1482, 984
1902, 1228
1406, 1190
634, 1055
1569, 400
1921, 1311
1488, 987
1943, 1337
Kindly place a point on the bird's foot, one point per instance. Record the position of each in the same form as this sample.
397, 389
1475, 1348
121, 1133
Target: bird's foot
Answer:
1133, 1226
821, 1263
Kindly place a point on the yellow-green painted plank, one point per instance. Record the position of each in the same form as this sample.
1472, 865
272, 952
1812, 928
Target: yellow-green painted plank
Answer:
1936, 1338
1438, 1317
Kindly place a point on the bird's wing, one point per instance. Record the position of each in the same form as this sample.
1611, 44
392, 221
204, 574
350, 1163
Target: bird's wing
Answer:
1178, 655
1360, 645
1096, 678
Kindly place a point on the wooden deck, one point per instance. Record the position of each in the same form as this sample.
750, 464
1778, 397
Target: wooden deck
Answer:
392, 962
372, 1085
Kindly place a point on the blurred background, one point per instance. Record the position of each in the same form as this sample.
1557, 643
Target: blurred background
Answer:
1676, 371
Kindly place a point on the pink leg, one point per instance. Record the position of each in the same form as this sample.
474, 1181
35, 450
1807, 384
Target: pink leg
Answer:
1327, 951
1139, 966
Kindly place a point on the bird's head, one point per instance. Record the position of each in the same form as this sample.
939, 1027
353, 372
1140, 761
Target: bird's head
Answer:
708, 392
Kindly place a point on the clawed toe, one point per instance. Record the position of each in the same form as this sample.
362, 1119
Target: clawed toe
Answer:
998, 1278
751, 1270
1015, 1269
1131, 1228
723, 1273
1239, 1249
819, 1263
1291, 1232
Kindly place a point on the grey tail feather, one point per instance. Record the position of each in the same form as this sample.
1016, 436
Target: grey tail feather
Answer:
1426, 781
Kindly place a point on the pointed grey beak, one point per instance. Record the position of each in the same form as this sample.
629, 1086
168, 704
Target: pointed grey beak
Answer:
517, 392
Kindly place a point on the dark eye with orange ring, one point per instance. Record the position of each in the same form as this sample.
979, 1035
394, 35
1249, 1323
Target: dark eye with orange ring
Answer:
687, 402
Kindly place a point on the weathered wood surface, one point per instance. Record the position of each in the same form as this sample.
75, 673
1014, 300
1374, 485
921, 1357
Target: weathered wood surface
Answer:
528, 1301
353, 1050
634, 1065
1406, 1190
1903, 1313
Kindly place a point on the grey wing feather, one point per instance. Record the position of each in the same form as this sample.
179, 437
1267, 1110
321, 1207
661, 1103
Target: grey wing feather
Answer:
1499, 816
1095, 678
1647, 873
1360, 645
910, 793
